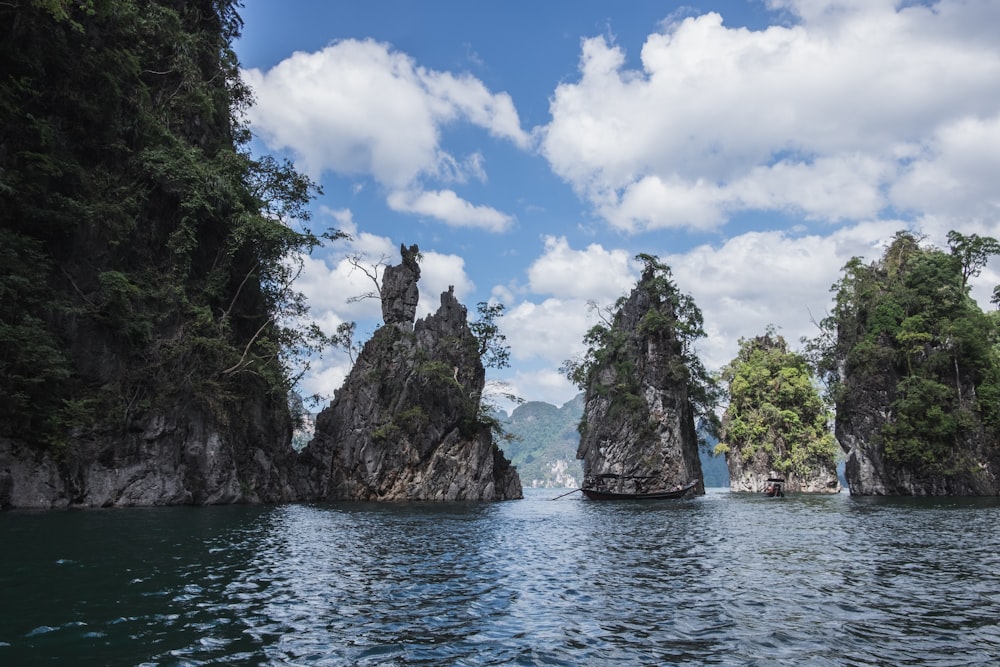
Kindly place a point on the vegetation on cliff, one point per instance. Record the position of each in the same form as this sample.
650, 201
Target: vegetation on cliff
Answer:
644, 388
911, 360
145, 256
776, 417
674, 321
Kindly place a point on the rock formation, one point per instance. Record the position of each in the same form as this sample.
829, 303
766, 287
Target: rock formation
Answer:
406, 424
185, 459
910, 357
776, 425
638, 420
863, 413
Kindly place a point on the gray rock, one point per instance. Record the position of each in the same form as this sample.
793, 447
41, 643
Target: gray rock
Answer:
638, 419
406, 424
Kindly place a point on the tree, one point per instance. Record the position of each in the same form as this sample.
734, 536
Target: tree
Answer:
373, 271
493, 348
972, 252
775, 409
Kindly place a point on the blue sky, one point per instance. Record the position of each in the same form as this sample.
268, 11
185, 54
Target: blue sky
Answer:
532, 149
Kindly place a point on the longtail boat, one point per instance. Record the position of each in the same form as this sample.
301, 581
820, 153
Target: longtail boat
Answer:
609, 486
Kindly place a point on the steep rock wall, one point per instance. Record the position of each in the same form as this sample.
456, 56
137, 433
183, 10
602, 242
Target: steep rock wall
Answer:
638, 420
405, 424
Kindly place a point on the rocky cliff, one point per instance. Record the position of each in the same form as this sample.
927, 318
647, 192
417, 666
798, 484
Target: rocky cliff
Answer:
189, 458
912, 362
406, 423
142, 258
864, 414
638, 419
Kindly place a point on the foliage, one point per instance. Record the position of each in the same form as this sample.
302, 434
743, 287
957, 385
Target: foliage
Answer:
147, 257
906, 326
493, 348
775, 408
673, 321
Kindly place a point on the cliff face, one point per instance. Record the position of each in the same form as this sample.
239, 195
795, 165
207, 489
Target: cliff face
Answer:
862, 414
166, 461
137, 263
405, 424
638, 420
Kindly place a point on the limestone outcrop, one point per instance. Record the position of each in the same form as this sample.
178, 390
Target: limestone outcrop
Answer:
406, 423
638, 420
776, 424
187, 459
863, 412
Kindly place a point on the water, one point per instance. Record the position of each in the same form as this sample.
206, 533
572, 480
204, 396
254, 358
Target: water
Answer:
723, 579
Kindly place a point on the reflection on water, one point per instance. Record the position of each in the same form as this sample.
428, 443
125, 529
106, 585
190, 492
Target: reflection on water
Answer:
722, 579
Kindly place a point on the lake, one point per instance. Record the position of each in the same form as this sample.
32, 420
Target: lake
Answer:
722, 579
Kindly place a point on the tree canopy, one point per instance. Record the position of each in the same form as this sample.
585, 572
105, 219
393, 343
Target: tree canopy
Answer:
904, 327
775, 409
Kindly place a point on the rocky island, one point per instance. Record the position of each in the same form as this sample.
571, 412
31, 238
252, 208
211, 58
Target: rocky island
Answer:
406, 425
913, 370
776, 424
638, 377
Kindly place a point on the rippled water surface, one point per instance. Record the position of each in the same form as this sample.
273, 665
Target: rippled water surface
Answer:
723, 579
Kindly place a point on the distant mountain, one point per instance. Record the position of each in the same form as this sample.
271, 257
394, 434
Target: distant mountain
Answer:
545, 442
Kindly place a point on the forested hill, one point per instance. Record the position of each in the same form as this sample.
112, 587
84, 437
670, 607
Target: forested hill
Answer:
142, 248
913, 365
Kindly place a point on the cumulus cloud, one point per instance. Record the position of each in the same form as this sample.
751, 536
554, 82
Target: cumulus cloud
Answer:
593, 273
761, 278
358, 107
820, 116
448, 207
956, 175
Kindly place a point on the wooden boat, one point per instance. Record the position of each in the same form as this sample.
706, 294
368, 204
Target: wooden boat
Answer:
630, 487
775, 488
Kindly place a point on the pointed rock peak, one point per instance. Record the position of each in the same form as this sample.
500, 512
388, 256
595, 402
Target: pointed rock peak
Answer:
399, 293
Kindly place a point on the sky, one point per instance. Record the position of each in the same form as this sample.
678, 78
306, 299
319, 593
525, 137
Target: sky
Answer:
532, 149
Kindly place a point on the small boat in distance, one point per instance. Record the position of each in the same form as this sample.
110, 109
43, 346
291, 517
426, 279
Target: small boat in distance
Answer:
775, 488
610, 486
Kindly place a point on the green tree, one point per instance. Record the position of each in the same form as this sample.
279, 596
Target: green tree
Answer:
972, 252
493, 348
775, 408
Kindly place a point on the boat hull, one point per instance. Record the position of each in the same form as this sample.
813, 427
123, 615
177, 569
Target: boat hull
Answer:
595, 494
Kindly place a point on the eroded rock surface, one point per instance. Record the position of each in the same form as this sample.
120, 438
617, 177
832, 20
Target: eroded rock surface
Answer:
405, 425
638, 421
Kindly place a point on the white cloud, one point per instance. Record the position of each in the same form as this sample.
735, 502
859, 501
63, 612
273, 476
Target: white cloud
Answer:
449, 208
591, 274
438, 272
360, 108
818, 116
957, 175
551, 330
762, 278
